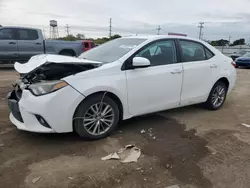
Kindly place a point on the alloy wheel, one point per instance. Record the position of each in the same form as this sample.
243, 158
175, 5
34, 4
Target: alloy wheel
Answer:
218, 95
99, 118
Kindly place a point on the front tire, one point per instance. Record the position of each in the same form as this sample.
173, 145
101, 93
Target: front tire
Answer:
217, 96
96, 117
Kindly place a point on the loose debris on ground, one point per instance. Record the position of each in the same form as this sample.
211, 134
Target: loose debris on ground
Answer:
129, 154
36, 179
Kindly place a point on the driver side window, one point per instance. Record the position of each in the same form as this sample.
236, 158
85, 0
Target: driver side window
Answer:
160, 53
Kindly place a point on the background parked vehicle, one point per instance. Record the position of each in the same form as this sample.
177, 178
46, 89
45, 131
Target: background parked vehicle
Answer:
87, 45
237, 55
243, 61
20, 44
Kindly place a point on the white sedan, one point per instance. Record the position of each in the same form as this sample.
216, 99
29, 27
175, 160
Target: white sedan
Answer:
118, 80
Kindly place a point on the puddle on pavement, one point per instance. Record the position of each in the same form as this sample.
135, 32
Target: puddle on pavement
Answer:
178, 150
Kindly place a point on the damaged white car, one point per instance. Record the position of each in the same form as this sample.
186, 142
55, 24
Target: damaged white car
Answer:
118, 80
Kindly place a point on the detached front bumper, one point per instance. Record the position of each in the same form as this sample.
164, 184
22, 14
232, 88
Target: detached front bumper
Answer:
51, 113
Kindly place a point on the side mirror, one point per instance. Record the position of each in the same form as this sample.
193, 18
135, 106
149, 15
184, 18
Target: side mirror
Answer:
140, 62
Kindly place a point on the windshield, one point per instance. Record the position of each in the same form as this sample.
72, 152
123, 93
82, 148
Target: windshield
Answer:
246, 54
112, 51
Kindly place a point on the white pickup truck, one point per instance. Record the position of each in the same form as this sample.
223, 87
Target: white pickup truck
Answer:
21, 43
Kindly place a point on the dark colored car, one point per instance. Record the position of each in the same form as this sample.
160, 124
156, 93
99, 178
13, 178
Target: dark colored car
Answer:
237, 55
243, 61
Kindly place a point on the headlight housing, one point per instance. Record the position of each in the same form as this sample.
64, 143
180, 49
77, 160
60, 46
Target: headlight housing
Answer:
43, 88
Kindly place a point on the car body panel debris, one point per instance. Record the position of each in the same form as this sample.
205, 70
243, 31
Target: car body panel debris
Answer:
128, 154
246, 125
111, 156
34, 180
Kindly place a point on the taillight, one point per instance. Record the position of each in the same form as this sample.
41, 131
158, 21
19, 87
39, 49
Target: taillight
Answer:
234, 64
83, 49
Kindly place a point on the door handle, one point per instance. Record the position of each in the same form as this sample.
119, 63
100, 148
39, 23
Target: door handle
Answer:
213, 66
38, 43
12, 43
177, 71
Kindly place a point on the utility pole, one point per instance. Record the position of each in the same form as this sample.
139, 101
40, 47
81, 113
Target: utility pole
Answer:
110, 27
201, 28
229, 39
67, 29
158, 30
44, 33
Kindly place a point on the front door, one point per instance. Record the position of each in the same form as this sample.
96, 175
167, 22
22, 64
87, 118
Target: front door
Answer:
29, 43
157, 87
200, 71
8, 45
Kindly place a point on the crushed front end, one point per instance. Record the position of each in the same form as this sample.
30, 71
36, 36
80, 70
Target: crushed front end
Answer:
43, 102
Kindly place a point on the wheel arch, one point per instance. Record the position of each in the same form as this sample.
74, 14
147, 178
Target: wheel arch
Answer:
71, 51
224, 80
109, 94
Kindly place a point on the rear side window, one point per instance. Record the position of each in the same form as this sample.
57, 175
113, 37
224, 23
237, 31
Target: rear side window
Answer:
192, 51
209, 54
7, 34
86, 45
27, 34
92, 45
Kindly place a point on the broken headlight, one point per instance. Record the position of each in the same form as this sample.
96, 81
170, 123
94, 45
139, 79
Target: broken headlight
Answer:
43, 88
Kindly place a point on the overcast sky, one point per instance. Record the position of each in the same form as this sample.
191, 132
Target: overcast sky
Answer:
223, 18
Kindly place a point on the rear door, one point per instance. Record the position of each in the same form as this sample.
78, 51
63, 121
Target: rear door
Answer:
29, 43
200, 71
8, 44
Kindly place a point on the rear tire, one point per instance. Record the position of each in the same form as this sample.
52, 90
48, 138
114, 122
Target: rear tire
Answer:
217, 96
94, 120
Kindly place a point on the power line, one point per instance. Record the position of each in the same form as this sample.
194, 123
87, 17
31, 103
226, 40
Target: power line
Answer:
67, 29
158, 30
201, 28
110, 27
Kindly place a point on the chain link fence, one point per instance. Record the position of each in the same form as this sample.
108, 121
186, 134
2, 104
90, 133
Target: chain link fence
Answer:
230, 50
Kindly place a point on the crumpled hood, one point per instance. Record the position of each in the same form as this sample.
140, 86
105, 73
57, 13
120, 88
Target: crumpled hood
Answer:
38, 60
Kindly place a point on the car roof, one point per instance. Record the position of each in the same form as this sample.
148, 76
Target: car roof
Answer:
155, 37
17, 27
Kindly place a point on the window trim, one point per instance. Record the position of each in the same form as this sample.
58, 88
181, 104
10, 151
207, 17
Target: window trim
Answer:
127, 65
18, 34
14, 31
188, 40
205, 48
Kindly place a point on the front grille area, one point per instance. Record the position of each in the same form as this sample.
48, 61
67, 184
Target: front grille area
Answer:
13, 105
17, 115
